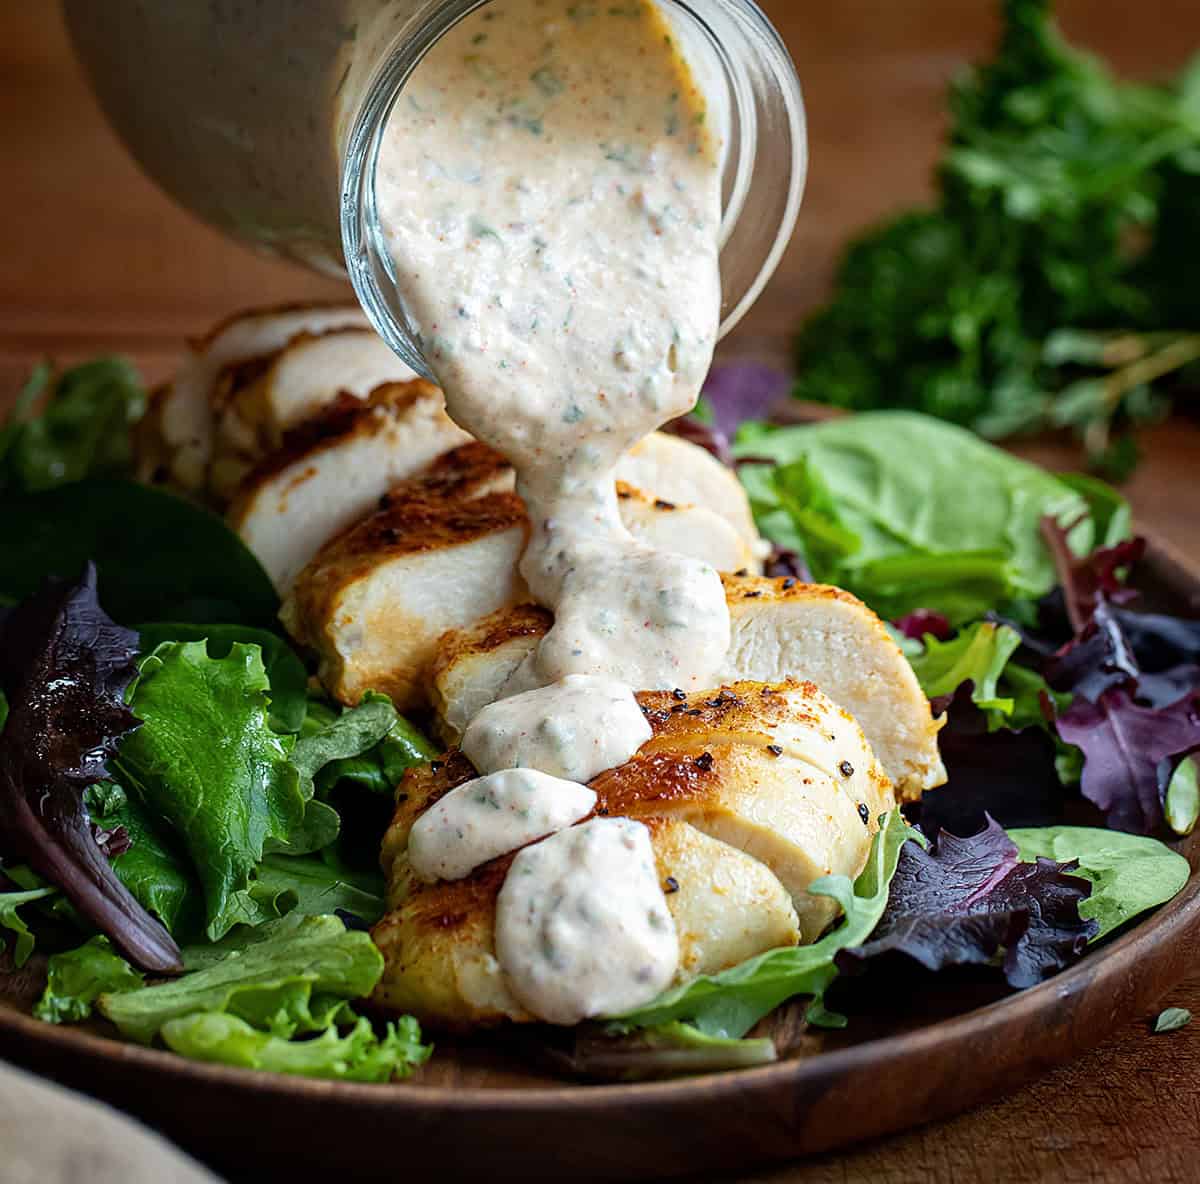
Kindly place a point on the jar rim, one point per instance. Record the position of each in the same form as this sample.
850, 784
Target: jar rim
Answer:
767, 100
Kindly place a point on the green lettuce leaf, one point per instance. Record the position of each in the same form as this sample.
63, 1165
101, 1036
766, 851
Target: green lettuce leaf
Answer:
82, 431
285, 671
285, 884
10, 919
729, 1004
978, 653
340, 749
668, 1050
76, 978
153, 869
288, 976
207, 762
928, 537
1129, 873
359, 1055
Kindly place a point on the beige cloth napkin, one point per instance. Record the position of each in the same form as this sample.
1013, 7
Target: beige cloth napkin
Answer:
49, 1135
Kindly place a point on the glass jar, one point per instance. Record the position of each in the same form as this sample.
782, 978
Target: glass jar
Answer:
265, 119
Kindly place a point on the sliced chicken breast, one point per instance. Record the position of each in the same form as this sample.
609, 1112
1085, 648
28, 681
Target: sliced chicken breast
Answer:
443, 551
739, 832
184, 418
680, 471
780, 629
256, 403
335, 469
784, 629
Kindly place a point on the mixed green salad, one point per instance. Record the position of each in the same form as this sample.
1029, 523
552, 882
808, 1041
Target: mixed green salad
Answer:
190, 828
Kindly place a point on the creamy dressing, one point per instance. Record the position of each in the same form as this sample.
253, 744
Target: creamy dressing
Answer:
550, 194
582, 927
491, 816
576, 728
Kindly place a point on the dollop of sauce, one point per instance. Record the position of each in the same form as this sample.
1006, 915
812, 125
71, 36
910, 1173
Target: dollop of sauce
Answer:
490, 816
582, 927
550, 192
576, 729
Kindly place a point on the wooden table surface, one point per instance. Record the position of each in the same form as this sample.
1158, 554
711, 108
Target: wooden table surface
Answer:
94, 258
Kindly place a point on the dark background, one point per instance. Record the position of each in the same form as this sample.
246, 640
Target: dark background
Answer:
93, 258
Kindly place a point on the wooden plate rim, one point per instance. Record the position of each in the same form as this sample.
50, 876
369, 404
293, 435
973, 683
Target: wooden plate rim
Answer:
1176, 920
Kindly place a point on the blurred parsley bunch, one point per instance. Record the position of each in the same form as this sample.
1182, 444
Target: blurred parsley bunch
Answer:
1051, 286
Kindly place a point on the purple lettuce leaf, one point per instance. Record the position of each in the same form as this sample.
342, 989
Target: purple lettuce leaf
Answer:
65, 668
1130, 753
1100, 575
787, 563
741, 390
1098, 660
1006, 774
924, 621
965, 900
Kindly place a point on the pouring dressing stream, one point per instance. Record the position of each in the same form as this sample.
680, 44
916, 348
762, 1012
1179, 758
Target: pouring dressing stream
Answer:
549, 192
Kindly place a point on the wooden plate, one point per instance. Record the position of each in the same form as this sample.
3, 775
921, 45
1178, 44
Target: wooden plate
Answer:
491, 1110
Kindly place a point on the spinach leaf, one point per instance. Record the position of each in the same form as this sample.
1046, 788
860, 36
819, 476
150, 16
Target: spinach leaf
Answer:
207, 762
944, 521
285, 670
729, 1004
161, 558
76, 978
10, 919
1172, 1019
288, 976
1129, 873
359, 1055
82, 431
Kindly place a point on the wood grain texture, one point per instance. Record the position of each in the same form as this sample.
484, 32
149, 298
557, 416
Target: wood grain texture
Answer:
95, 258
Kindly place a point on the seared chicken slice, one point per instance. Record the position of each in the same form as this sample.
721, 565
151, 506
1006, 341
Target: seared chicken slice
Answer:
312, 370
739, 831
181, 451
255, 404
333, 471
441, 552
780, 629
680, 471
438, 556
826, 635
